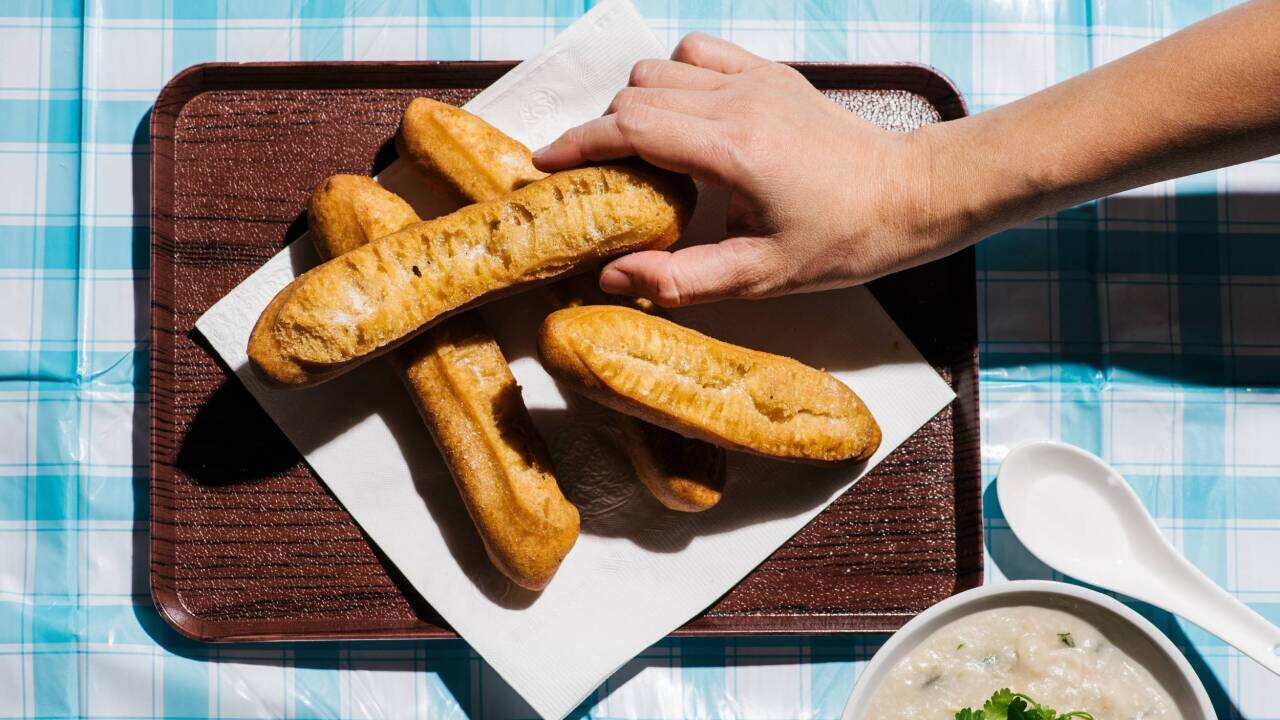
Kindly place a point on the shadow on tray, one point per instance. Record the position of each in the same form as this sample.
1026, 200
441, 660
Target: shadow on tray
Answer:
233, 441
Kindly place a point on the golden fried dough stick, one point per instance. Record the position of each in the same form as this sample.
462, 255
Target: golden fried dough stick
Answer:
377, 296
464, 155
700, 387
469, 400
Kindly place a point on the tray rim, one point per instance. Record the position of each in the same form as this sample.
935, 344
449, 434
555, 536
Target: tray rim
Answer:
189, 83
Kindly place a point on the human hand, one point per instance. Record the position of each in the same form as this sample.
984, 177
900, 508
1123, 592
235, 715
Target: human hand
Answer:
819, 198
822, 199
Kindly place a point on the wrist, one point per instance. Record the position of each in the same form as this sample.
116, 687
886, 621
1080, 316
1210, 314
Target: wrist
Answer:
965, 190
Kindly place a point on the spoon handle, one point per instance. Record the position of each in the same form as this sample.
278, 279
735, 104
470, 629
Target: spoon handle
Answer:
1190, 593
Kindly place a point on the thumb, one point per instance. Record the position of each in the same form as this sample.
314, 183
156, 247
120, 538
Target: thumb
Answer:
735, 267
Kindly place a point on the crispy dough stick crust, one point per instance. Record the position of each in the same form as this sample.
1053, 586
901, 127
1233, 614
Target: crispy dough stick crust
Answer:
377, 296
347, 211
472, 405
344, 212
701, 387
455, 149
469, 400
682, 473
467, 155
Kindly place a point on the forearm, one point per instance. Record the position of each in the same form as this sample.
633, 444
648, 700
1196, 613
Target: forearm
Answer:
1203, 98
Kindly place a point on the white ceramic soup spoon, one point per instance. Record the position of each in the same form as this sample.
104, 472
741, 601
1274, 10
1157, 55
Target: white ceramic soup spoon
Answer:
1079, 516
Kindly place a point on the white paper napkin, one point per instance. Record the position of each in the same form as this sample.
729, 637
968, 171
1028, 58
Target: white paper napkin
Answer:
638, 571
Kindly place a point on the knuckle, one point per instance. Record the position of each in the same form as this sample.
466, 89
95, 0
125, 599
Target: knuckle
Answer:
781, 71
643, 72
626, 98
720, 158
571, 137
667, 290
690, 47
760, 284
762, 274
631, 119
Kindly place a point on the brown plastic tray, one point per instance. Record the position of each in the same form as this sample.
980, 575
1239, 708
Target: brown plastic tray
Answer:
246, 542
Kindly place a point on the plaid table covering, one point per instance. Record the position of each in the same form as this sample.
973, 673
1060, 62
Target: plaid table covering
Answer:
1145, 328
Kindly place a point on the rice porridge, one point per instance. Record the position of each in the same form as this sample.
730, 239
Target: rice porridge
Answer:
1053, 656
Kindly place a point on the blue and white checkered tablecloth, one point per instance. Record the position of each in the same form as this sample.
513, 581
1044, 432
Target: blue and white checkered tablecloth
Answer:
1145, 328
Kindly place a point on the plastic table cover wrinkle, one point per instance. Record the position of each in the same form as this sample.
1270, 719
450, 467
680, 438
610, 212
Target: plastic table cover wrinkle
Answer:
1142, 328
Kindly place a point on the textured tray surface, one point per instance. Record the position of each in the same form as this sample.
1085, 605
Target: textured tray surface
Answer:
245, 540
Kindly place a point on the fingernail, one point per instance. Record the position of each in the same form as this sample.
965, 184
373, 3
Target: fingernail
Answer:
541, 151
616, 282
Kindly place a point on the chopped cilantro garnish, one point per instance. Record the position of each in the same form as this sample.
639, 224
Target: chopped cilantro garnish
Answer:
1008, 705
1066, 639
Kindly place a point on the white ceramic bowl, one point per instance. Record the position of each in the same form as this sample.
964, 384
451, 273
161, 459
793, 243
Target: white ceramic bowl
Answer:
1128, 630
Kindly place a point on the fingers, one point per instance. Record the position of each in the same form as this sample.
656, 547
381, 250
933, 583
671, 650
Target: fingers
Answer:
598, 139
670, 140
655, 73
666, 117
712, 53
688, 102
736, 267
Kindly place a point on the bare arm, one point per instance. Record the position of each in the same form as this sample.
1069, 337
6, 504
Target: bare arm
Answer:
1203, 98
822, 199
